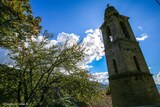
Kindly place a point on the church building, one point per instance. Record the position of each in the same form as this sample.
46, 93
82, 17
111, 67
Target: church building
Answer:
130, 80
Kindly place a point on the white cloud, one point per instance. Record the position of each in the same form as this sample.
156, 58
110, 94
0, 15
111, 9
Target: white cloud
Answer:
142, 37
140, 28
89, 31
157, 78
94, 48
71, 39
40, 38
101, 77
26, 44
51, 43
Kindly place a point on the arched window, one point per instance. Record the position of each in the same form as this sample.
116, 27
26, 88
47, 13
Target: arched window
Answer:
115, 66
136, 63
124, 29
109, 36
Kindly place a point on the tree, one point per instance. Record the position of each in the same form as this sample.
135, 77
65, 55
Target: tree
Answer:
41, 75
108, 90
38, 75
17, 22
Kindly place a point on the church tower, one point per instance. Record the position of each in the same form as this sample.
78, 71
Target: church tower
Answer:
130, 80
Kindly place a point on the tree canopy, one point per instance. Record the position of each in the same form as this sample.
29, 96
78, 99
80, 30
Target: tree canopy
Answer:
17, 22
41, 75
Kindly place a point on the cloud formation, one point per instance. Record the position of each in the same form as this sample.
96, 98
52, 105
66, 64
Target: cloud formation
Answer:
92, 42
94, 48
140, 28
101, 77
142, 37
68, 39
157, 78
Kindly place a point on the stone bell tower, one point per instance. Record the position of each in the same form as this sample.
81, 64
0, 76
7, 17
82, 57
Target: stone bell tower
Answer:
130, 80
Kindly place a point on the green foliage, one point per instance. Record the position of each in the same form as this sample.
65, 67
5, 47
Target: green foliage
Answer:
108, 90
17, 22
41, 75
65, 102
7, 77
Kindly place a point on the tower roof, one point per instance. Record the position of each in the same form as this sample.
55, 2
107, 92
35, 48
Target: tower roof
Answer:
110, 10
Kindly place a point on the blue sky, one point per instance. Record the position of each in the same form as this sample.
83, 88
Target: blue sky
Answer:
77, 16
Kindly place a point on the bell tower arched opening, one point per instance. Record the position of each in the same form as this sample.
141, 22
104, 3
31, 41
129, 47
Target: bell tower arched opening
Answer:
124, 29
109, 36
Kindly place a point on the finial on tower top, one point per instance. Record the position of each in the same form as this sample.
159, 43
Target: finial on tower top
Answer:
108, 5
